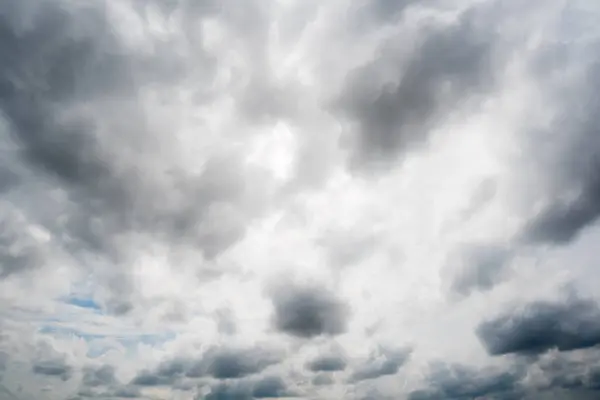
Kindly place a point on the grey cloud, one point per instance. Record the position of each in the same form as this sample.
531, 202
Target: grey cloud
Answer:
308, 311
395, 113
454, 382
322, 379
329, 362
19, 249
122, 391
217, 362
265, 387
54, 368
128, 392
104, 375
541, 326
100, 382
4, 358
568, 372
166, 374
70, 98
381, 363
226, 322
270, 387
225, 363
571, 165
480, 266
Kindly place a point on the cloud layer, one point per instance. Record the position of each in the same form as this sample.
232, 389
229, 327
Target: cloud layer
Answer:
298, 199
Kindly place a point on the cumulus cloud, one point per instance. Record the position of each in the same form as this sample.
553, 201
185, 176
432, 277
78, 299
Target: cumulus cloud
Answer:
241, 199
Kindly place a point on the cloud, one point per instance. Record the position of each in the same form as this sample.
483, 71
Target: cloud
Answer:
567, 372
270, 387
396, 101
308, 311
53, 368
460, 382
224, 362
239, 199
383, 362
480, 267
322, 379
100, 381
104, 375
266, 387
328, 363
541, 326
574, 163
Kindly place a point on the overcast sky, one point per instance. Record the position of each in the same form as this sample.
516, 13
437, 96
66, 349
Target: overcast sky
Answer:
247, 199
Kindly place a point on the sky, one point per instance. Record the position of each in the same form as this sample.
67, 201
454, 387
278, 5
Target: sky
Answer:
299, 199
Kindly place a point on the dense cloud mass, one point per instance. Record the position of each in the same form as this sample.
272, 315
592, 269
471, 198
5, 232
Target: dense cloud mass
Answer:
306, 312
247, 199
542, 326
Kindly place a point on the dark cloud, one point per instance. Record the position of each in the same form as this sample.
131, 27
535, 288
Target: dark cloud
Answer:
223, 363
568, 372
216, 362
570, 165
383, 362
328, 363
266, 387
166, 374
396, 104
480, 267
54, 368
228, 391
454, 382
560, 223
71, 102
47, 65
541, 326
270, 387
308, 311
